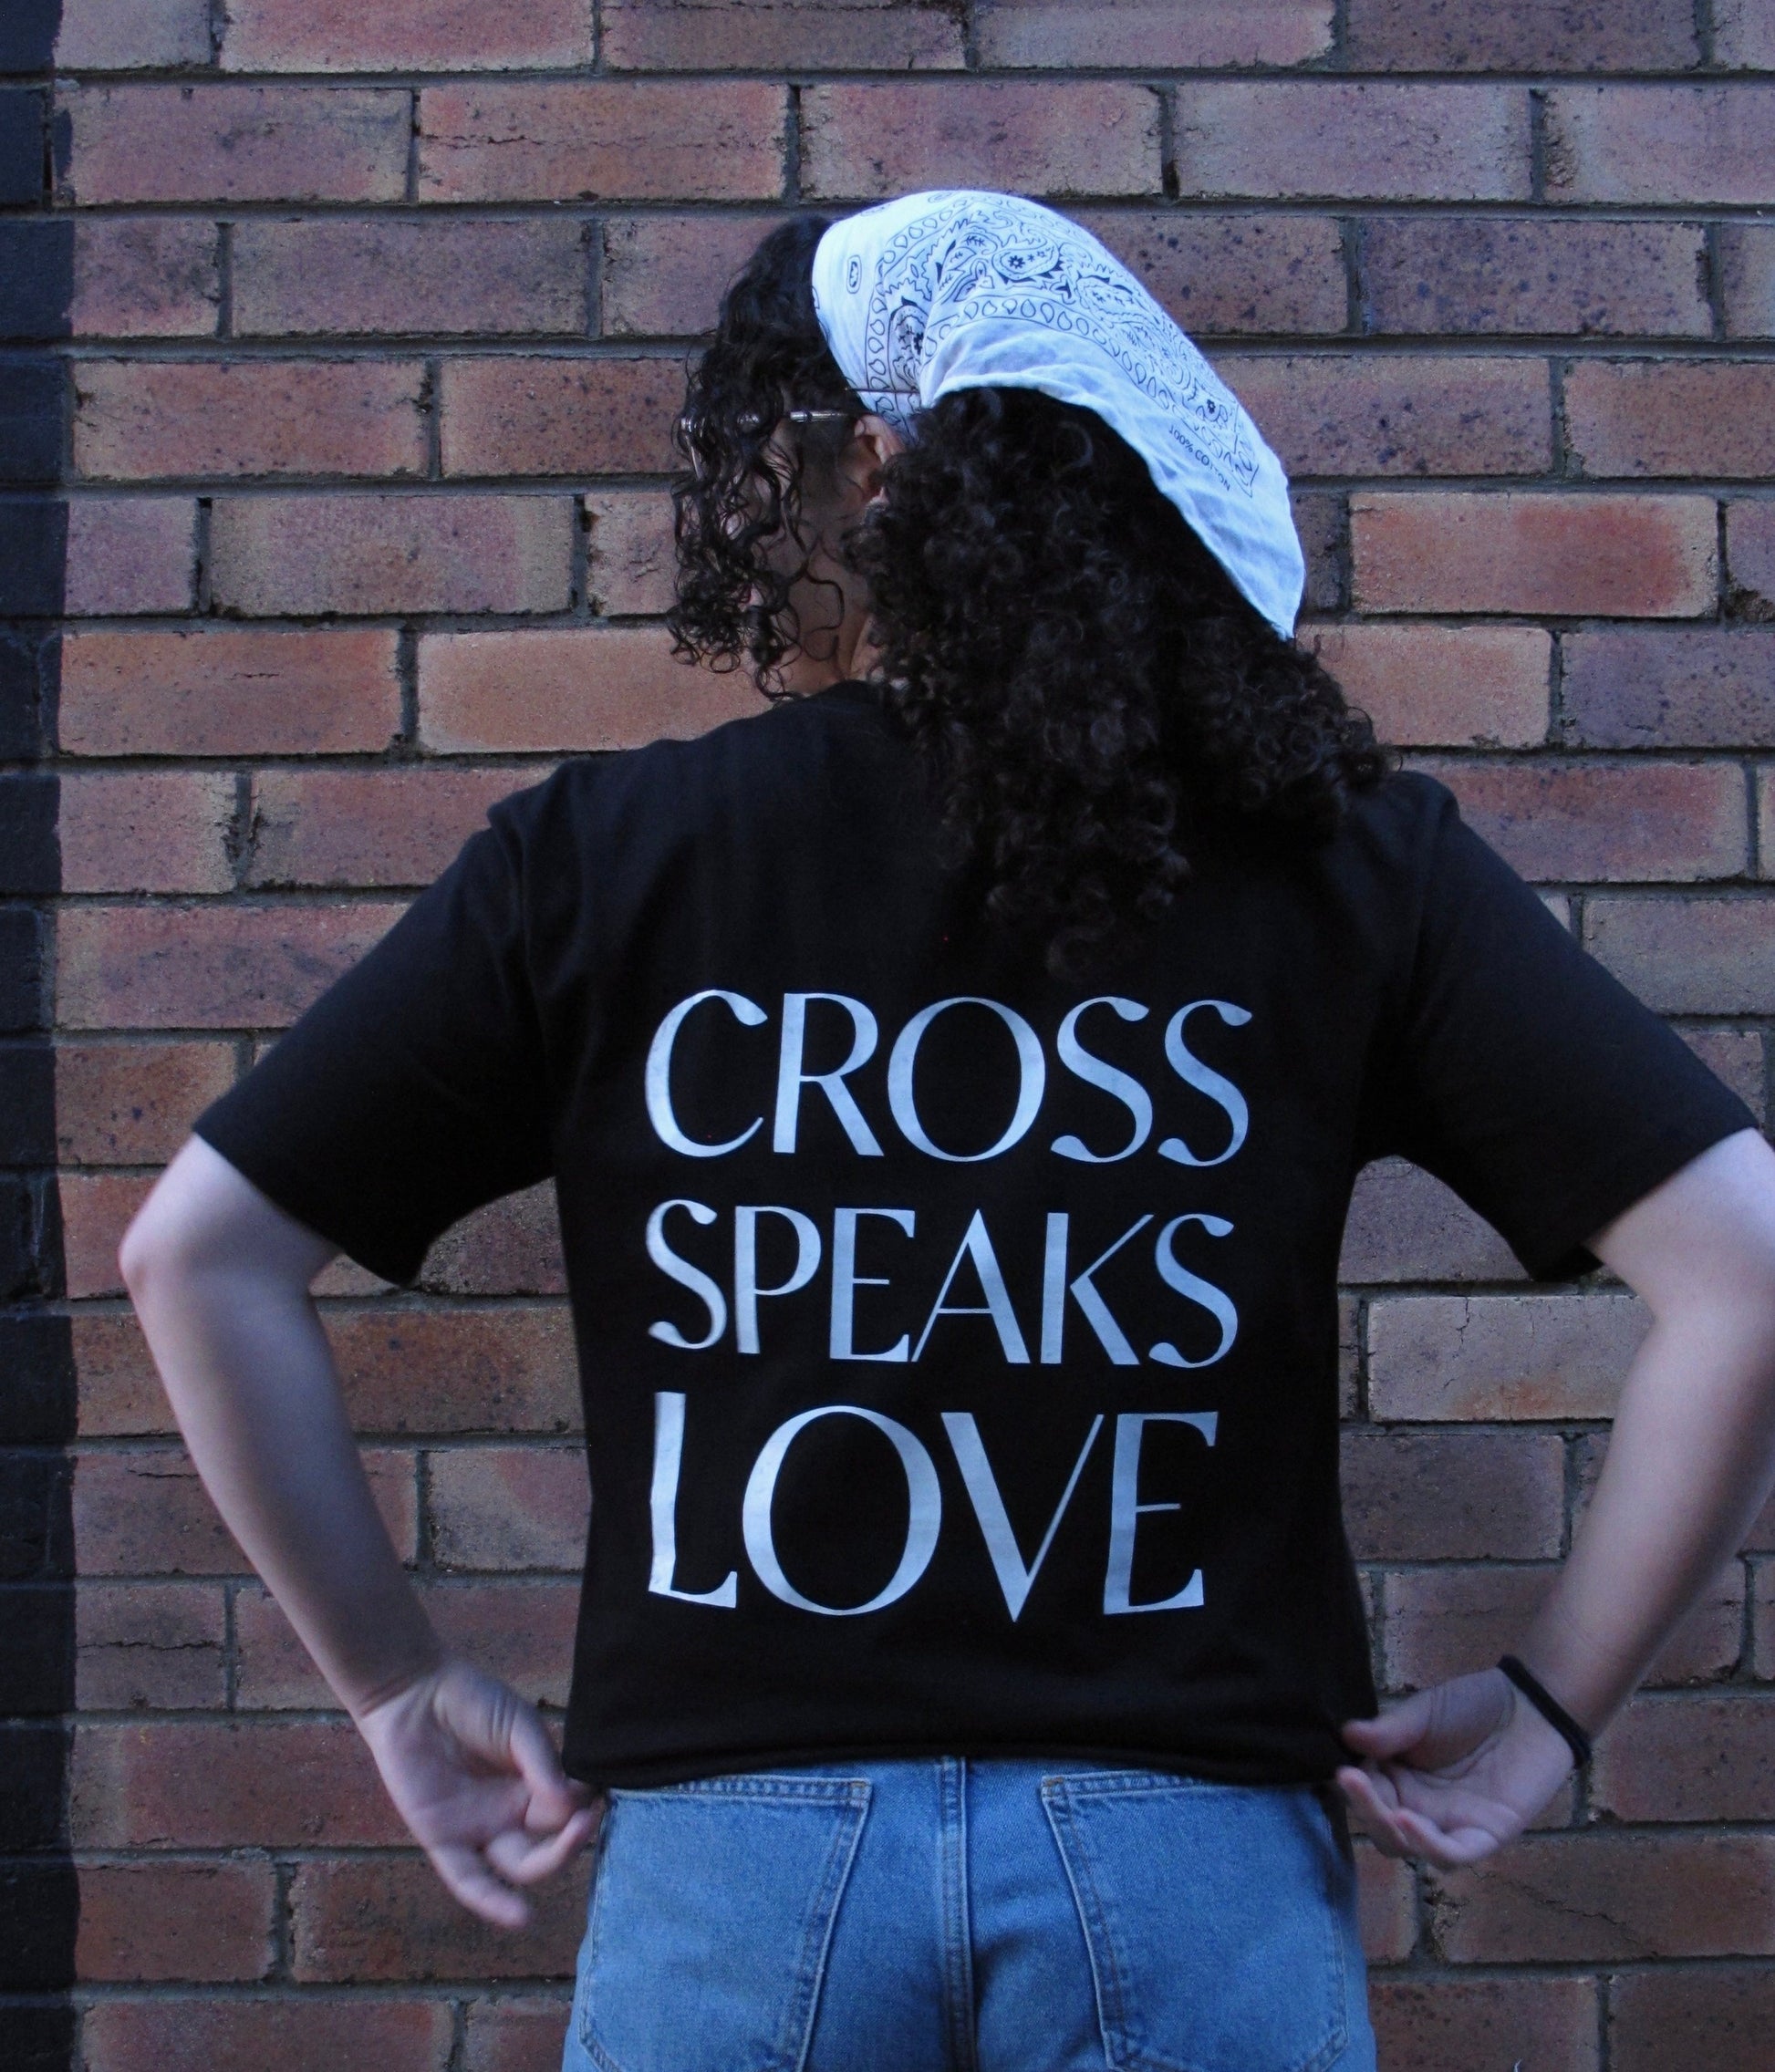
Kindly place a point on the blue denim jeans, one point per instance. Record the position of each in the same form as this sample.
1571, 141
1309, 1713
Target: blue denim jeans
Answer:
963, 1916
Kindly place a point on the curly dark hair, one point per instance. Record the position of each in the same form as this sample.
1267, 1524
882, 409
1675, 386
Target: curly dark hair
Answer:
1088, 692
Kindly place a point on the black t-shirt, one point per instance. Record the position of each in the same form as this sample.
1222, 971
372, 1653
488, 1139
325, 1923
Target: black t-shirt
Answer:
958, 1345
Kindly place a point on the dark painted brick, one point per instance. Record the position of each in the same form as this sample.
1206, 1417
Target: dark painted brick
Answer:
36, 2037
37, 1649
30, 856
21, 144
33, 1515
27, 1097
33, 546
27, 34
38, 1404
21, 698
22, 1001
39, 1907
37, 279
33, 1775
32, 397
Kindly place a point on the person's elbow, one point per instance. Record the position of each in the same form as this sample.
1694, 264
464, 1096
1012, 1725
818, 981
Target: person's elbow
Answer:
203, 1217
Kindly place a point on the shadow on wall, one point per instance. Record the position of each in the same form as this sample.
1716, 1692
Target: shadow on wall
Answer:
39, 1901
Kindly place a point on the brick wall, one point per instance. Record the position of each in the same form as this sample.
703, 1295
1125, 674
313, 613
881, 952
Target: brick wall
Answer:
342, 344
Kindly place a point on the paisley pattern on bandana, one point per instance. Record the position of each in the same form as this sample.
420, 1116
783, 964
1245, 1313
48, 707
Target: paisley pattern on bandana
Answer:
964, 288
962, 263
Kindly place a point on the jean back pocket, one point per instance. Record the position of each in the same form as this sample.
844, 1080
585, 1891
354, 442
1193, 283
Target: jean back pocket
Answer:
1212, 1915
712, 1911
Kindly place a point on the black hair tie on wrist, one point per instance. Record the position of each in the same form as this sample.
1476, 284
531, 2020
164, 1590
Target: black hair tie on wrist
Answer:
1549, 1708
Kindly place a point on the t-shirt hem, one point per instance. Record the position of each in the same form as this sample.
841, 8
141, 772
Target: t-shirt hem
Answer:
1557, 1250
643, 1773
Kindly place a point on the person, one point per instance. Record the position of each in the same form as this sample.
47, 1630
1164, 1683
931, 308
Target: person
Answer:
953, 1078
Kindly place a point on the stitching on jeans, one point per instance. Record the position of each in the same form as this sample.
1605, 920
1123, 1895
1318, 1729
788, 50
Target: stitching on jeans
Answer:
823, 1918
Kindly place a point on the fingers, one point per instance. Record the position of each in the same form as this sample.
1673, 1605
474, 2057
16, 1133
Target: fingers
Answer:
1398, 1830
1391, 1732
526, 1858
554, 1798
470, 1881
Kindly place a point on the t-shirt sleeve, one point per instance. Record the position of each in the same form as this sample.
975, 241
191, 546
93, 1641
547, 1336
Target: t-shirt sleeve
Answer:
415, 1088
1523, 1073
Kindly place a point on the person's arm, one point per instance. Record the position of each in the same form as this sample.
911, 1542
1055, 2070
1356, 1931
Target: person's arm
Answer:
220, 1277
1462, 1767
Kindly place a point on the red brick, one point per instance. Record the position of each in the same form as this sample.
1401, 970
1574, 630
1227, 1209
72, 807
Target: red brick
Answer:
129, 36
1734, 1056
1668, 686
1746, 279
1346, 415
664, 276
142, 1922
1387, 1905
229, 693
1404, 1225
295, 2034
1744, 33
156, 277
130, 554
146, 1512
1530, 36
95, 1210
1577, 552
412, 552
1321, 521
1456, 2024
512, 1246
633, 562
1516, 274
1689, 1757
116, 1388
235, 143
1272, 274
457, 277
399, 35
1443, 686
1718, 2017
1689, 955
1453, 1496
590, 688
1367, 141
207, 967
515, 2035
391, 1918
231, 1784
537, 416
147, 831
603, 139
1451, 1619
668, 35
1501, 1356
1084, 137
1690, 145
1750, 559
132, 1103
522, 1631
1604, 1897
140, 419
455, 1371
368, 827
1144, 33
1606, 821
1642, 417
150, 1646
509, 1506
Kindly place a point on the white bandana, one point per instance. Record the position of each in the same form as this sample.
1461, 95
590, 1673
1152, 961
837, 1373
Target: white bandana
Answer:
963, 289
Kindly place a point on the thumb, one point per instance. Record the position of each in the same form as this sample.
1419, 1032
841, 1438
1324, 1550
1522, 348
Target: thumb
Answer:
554, 1798
1390, 1733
